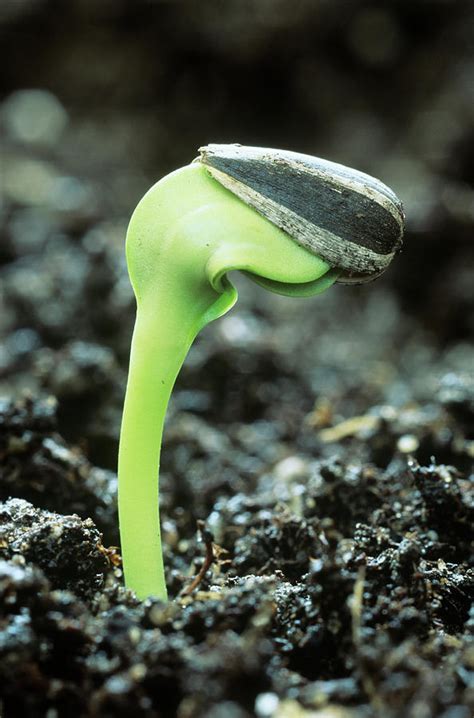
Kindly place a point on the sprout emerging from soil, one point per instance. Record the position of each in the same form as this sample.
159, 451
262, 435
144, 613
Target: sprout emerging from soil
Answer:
293, 223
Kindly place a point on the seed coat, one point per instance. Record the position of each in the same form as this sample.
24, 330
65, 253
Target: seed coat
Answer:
350, 219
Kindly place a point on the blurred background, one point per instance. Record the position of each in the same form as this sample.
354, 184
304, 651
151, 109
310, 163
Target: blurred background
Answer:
100, 98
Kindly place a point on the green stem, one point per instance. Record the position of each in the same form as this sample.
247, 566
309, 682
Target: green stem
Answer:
156, 358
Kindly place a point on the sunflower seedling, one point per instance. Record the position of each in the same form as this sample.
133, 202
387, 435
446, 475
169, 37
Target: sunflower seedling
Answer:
294, 223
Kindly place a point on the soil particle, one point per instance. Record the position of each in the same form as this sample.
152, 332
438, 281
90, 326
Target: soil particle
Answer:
449, 504
67, 549
39, 466
280, 542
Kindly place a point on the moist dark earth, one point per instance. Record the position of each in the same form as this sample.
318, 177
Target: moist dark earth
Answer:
326, 444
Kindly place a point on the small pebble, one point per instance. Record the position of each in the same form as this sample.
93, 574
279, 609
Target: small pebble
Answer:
408, 444
266, 704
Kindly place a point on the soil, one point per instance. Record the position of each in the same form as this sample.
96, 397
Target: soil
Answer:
320, 452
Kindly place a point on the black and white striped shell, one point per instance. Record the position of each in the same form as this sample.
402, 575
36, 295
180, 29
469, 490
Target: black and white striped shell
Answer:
348, 218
